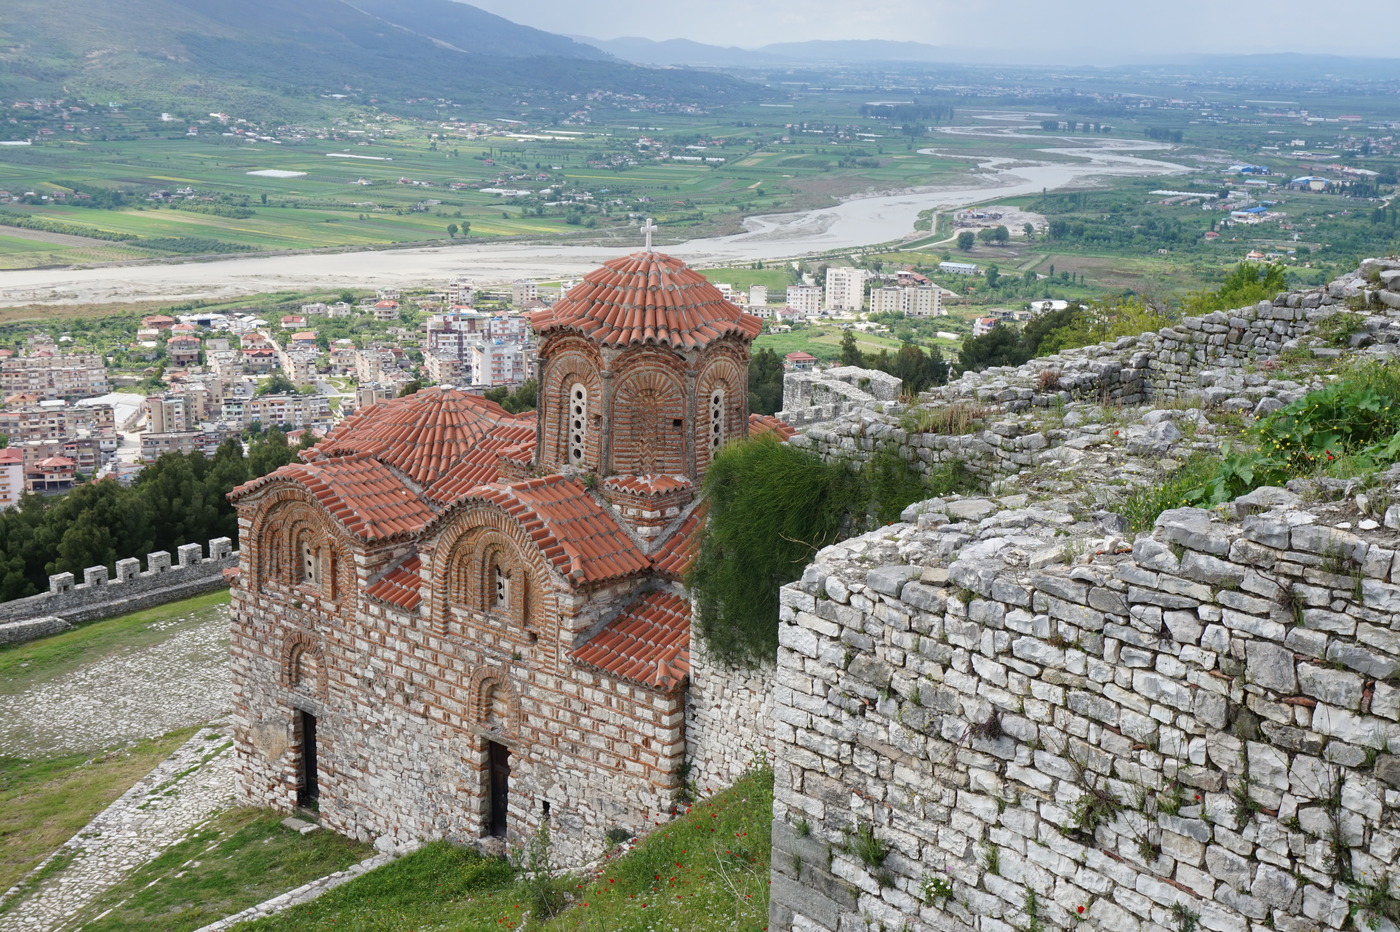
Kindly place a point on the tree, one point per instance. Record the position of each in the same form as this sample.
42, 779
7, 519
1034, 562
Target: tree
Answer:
993, 276
277, 384
966, 239
1029, 230
1000, 347
1001, 235
765, 382
850, 353
452, 231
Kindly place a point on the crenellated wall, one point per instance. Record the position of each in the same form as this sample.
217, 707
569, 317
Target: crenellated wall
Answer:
98, 596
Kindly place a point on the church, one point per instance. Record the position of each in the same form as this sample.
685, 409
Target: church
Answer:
454, 622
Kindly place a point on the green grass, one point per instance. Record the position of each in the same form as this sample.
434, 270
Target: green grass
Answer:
45, 802
235, 860
705, 871
822, 342
23, 665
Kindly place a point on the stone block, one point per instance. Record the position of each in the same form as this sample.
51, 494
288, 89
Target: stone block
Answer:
189, 554
61, 582
1270, 666
128, 568
95, 576
158, 562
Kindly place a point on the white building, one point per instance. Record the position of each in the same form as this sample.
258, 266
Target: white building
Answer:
805, 299
959, 268
911, 301
758, 295
845, 289
523, 292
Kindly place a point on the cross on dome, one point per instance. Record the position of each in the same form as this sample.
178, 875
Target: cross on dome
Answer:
649, 228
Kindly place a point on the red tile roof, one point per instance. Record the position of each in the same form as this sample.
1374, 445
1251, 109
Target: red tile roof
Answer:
647, 485
425, 435
400, 585
647, 297
575, 533
367, 497
479, 465
760, 424
677, 553
649, 643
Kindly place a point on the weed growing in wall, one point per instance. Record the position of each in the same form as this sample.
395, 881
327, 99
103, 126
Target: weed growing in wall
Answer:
1349, 428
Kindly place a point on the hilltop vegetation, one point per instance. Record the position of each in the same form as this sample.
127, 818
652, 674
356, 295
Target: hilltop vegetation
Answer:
284, 60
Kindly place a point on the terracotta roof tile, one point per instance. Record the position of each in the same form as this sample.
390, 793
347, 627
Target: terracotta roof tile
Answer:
400, 585
581, 538
479, 464
424, 435
677, 553
647, 297
649, 643
651, 485
363, 494
760, 424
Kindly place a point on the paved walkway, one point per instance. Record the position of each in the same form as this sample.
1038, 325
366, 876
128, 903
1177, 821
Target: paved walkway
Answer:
193, 784
135, 694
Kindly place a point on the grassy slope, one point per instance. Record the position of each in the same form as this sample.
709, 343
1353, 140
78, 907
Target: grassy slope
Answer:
707, 870
44, 801
23, 665
236, 860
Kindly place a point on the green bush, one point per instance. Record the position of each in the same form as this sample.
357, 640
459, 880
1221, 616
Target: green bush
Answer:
771, 508
1349, 428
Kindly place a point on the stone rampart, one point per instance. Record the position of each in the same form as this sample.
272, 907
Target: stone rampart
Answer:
818, 395
989, 717
99, 596
1203, 726
728, 714
1201, 357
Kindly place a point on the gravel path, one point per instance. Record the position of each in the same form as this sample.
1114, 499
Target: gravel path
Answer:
139, 693
193, 784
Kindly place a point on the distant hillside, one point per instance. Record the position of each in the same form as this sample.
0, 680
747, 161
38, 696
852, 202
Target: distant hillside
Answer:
849, 51
281, 58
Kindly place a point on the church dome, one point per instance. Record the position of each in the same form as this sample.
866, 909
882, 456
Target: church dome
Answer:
424, 435
647, 297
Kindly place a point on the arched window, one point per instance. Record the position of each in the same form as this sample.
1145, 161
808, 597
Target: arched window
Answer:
310, 568
501, 590
717, 419
578, 419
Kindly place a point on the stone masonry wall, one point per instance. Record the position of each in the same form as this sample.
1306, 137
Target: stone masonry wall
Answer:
98, 596
1199, 729
1163, 366
727, 717
988, 719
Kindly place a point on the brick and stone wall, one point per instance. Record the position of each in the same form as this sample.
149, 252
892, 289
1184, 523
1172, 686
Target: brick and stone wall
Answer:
99, 596
406, 702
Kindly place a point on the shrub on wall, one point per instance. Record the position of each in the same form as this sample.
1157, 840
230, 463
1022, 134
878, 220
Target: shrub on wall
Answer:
771, 508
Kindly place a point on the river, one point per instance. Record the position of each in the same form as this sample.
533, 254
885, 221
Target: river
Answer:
856, 222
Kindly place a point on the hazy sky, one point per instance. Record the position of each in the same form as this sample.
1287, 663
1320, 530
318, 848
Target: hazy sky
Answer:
1179, 26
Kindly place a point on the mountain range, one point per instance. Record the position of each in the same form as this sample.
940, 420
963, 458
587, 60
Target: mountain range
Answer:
281, 58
